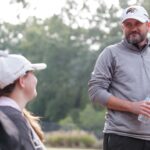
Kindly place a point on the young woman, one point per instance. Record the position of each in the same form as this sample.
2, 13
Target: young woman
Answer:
19, 130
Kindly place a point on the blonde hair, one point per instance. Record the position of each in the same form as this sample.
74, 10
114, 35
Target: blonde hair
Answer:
34, 122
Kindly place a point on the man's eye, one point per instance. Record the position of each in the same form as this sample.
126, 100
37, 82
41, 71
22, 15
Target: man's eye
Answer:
138, 24
128, 25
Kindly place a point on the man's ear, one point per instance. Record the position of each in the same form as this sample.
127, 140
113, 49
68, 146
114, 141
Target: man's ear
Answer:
122, 28
21, 82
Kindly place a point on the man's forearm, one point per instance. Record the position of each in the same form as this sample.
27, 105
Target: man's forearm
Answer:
119, 104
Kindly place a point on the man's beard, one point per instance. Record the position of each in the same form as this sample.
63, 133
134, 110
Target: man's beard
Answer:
135, 38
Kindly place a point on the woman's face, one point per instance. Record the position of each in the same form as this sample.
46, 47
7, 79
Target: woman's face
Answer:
30, 82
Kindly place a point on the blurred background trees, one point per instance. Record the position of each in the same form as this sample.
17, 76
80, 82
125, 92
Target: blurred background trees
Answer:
69, 43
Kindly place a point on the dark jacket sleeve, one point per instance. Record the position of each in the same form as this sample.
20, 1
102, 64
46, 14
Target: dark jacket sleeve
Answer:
9, 136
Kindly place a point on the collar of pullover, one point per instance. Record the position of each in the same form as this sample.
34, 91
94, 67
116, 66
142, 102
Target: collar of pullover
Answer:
134, 48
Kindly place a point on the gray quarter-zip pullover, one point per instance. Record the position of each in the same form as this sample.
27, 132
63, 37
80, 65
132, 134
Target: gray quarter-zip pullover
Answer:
122, 70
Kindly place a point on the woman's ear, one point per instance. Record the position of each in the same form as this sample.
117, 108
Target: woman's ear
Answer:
21, 82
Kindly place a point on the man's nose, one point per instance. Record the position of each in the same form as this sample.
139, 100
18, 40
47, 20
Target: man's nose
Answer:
133, 28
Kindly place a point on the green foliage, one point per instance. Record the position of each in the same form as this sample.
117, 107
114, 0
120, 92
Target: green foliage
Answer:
91, 119
63, 85
70, 51
68, 124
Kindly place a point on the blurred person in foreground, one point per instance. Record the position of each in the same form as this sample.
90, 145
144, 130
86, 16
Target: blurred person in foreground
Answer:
120, 81
19, 130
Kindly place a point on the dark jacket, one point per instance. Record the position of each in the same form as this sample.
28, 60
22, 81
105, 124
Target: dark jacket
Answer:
14, 131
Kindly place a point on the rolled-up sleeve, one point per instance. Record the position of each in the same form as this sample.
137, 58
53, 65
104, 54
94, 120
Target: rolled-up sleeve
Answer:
101, 78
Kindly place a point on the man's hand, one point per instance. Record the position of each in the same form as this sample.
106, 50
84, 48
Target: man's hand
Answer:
142, 107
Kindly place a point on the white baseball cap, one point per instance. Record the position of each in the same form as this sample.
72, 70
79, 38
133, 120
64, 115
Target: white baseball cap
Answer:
13, 66
135, 12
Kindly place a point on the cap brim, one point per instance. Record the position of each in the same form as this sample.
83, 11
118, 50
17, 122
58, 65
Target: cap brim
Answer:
136, 18
39, 66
